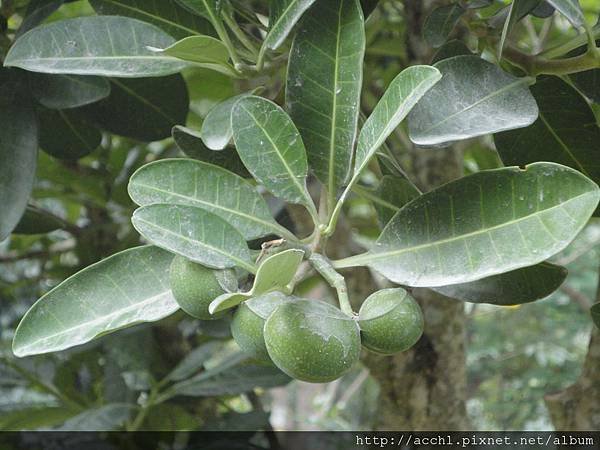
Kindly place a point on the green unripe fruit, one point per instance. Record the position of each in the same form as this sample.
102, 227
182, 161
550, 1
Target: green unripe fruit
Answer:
390, 321
312, 341
194, 287
249, 321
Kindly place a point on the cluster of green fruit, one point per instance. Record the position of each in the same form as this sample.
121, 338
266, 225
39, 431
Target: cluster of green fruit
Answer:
309, 340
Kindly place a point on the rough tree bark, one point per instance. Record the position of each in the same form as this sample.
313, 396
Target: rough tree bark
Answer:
425, 388
577, 408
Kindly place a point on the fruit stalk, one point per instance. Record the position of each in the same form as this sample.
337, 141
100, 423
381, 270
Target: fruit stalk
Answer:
334, 279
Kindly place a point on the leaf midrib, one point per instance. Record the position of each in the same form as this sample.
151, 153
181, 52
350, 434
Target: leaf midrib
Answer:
99, 320
267, 224
332, 138
508, 87
381, 255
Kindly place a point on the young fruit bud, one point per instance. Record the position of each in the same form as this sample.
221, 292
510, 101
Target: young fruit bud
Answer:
194, 287
390, 321
312, 341
249, 321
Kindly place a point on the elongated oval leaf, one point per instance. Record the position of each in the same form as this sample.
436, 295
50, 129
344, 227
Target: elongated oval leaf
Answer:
571, 9
210, 9
68, 91
511, 288
96, 45
324, 84
216, 129
204, 51
565, 132
37, 221
391, 195
194, 233
484, 224
399, 99
271, 148
516, 11
18, 156
190, 143
119, 291
473, 98
440, 23
165, 14
194, 183
283, 15
145, 109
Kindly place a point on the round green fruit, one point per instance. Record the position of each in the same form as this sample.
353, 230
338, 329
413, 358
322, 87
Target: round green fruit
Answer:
249, 321
194, 287
312, 341
390, 321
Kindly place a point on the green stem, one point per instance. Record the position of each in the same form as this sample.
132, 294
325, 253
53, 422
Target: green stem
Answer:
574, 43
334, 279
260, 62
240, 35
535, 65
143, 412
224, 36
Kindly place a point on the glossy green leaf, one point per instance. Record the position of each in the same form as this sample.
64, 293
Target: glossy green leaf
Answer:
165, 14
283, 15
145, 109
36, 13
275, 273
595, 311
516, 11
204, 51
565, 132
543, 10
190, 143
216, 129
194, 183
398, 100
65, 136
121, 290
481, 225
571, 9
391, 195
37, 221
96, 45
210, 9
18, 156
473, 98
440, 23
511, 288
271, 148
324, 84
67, 91
195, 234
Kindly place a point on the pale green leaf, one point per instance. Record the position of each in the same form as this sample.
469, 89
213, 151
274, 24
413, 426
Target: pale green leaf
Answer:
165, 14
275, 273
194, 361
121, 290
398, 100
18, 156
324, 84
473, 98
67, 91
511, 288
565, 132
203, 51
194, 183
216, 129
283, 15
440, 23
481, 225
110, 417
271, 148
96, 45
193, 233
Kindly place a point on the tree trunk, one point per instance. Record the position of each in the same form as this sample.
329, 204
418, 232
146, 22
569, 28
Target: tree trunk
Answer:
425, 387
577, 408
